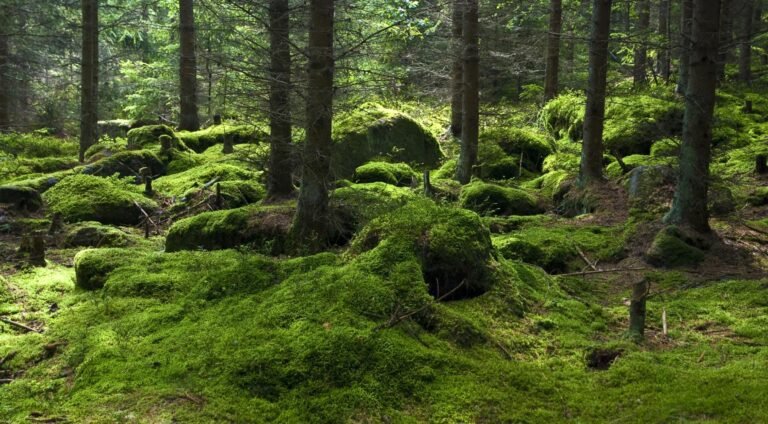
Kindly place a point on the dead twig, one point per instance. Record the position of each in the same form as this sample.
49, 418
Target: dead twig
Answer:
146, 215
396, 319
603, 271
20, 325
586, 259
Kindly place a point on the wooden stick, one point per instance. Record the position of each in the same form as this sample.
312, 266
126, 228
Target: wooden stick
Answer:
586, 259
146, 215
664, 320
20, 325
603, 271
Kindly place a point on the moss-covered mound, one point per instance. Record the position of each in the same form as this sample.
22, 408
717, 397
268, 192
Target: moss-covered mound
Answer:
487, 198
106, 200
532, 145
399, 174
674, 248
563, 116
92, 266
364, 202
150, 136
21, 198
126, 164
181, 183
553, 185
94, 234
201, 140
265, 228
494, 163
452, 246
372, 131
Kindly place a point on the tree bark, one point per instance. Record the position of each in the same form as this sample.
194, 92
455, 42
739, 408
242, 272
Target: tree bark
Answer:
457, 68
641, 49
686, 23
312, 225
664, 30
725, 37
471, 110
553, 49
594, 116
689, 207
5, 64
637, 310
745, 45
89, 76
188, 118
279, 183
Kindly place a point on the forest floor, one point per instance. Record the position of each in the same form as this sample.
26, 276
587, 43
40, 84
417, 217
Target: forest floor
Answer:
358, 334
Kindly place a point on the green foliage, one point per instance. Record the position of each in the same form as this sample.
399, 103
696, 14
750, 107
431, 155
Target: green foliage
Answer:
35, 145
563, 116
126, 164
374, 132
89, 198
201, 140
553, 185
179, 184
487, 198
399, 174
671, 248
667, 147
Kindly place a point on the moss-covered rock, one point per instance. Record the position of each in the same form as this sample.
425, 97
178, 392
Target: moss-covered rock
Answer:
720, 200
179, 184
399, 174
758, 197
150, 136
673, 248
487, 198
106, 200
372, 131
265, 228
114, 128
553, 185
563, 116
364, 202
493, 163
94, 234
22, 198
92, 266
201, 140
522, 250
126, 164
452, 245
645, 184
532, 145
104, 149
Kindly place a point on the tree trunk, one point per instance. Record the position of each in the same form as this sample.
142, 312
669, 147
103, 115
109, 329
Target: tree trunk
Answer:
689, 207
471, 110
686, 23
5, 64
312, 222
641, 49
745, 45
553, 49
664, 30
279, 183
457, 69
725, 38
637, 310
594, 116
188, 119
89, 76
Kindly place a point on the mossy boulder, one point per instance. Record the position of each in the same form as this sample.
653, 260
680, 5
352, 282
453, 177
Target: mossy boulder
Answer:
452, 246
399, 174
645, 184
92, 266
672, 247
126, 164
553, 185
372, 131
21, 198
366, 201
106, 200
488, 199
94, 234
149, 135
527, 143
520, 249
114, 128
633, 123
563, 116
201, 140
720, 200
758, 197
179, 184
495, 164
263, 227
104, 149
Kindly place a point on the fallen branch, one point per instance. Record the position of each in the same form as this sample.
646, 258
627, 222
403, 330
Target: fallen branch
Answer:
20, 325
146, 215
394, 320
603, 271
586, 259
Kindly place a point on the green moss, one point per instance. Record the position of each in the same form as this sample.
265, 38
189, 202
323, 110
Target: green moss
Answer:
94, 234
181, 161
552, 185
372, 131
201, 140
446, 171
180, 183
149, 136
399, 174
126, 164
452, 245
495, 164
634, 122
263, 227
667, 147
34, 145
532, 145
494, 199
104, 148
613, 170
671, 248
364, 202
106, 200
563, 116
758, 196
92, 266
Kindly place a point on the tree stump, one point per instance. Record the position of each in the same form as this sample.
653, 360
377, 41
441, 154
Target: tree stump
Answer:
32, 248
217, 119
228, 147
761, 164
56, 224
637, 311
747, 107
165, 143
